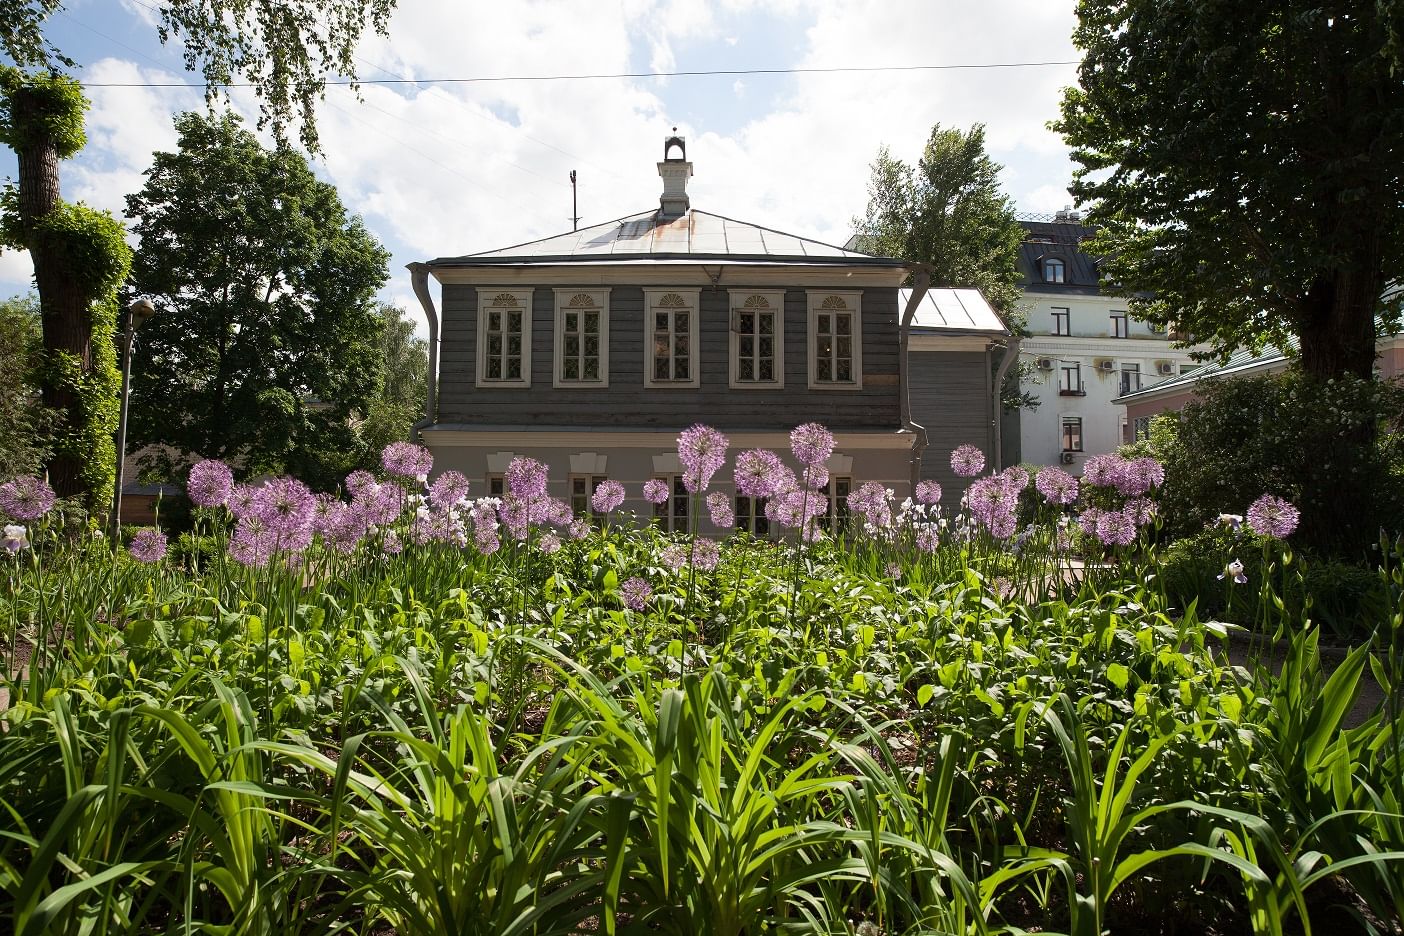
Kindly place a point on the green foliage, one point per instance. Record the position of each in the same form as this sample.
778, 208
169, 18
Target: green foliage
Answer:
1346, 599
1288, 435
1245, 168
400, 403
40, 108
90, 242
362, 742
24, 423
267, 346
948, 211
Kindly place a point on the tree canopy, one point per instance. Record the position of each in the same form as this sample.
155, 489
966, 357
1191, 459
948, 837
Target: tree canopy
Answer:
284, 49
404, 373
24, 423
948, 211
1245, 165
265, 348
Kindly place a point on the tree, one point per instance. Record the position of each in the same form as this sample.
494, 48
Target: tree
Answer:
405, 371
949, 212
23, 420
1245, 163
80, 260
284, 48
265, 347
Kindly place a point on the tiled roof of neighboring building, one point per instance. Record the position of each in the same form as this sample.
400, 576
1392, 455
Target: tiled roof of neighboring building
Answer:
953, 310
697, 236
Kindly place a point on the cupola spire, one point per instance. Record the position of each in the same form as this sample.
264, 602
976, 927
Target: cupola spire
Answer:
675, 170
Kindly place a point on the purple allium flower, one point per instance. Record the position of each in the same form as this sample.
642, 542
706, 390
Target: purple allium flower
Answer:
407, 460
871, 501
391, 544
1234, 571
285, 505
989, 496
811, 443
1116, 528
815, 478
607, 497
928, 492
1056, 485
1149, 469
210, 483
437, 526
526, 478
673, 556
360, 483
1001, 524
795, 508
1015, 477
927, 537
448, 489
758, 473
381, 505
341, 526
549, 543
253, 543
580, 528
1106, 469
26, 498
241, 501
706, 554
967, 460
1141, 510
719, 508
1272, 516
655, 491
1087, 520
894, 570
148, 545
702, 450
635, 593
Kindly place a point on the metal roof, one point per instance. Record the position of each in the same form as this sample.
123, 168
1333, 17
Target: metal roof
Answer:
1238, 362
697, 235
963, 310
1061, 240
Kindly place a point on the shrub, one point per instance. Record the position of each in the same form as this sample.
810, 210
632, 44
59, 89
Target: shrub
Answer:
1347, 600
1295, 437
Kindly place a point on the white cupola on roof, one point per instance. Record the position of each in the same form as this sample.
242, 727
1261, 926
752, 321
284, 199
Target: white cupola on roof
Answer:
675, 170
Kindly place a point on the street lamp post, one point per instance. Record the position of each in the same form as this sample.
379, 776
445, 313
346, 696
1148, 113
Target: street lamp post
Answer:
137, 315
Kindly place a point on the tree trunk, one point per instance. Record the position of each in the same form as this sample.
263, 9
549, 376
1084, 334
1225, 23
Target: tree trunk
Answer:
62, 302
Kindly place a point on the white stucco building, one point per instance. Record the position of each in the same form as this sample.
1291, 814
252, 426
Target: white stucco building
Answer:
1084, 351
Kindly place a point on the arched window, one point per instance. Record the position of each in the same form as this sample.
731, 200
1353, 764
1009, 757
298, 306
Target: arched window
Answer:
1052, 270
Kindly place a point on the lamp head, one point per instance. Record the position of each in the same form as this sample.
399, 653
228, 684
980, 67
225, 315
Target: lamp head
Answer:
141, 311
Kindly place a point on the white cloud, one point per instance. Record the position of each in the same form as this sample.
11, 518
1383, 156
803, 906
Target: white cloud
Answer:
16, 273
446, 169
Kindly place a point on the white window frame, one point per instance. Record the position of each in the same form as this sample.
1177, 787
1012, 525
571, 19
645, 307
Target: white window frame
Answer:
490, 298
1120, 324
836, 514
688, 300
823, 301
592, 483
759, 302
1049, 275
1128, 368
750, 515
573, 300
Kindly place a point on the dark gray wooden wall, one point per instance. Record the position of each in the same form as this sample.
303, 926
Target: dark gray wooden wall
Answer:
627, 403
949, 398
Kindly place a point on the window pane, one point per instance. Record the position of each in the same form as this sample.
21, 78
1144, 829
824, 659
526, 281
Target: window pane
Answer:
680, 321
514, 345
845, 324
824, 325
592, 345
767, 347
767, 369
592, 322
748, 322
514, 321
660, 368
570, 369
845, 369
824, 371
660, 321
571, 321
494, 322
514, 368
571, 347
767, 323
494, 345
680, 370
494, 368
592, 368
746, 369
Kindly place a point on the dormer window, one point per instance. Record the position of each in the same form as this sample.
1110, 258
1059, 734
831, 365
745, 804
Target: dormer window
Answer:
1053, 270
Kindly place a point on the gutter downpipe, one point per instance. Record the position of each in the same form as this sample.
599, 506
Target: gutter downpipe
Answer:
1011, 354
419, 279
921, 281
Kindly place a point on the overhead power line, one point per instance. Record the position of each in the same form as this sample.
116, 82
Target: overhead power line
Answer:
485, 79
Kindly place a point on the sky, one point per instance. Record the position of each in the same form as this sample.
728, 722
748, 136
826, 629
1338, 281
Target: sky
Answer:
439, 169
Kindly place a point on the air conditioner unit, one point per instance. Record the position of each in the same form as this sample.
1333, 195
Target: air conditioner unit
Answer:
1045, 363
1106, 365
1067, 458
1165, 368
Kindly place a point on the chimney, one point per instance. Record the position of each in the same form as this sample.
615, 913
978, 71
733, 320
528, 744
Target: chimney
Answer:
675, 170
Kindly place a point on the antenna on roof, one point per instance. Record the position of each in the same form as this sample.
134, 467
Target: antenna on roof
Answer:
574, 209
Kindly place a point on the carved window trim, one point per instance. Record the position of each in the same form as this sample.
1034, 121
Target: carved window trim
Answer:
570, 299
825, 308
495, 299
752, 304
671, 302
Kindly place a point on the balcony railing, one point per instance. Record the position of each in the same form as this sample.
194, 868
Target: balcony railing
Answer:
1070, 392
